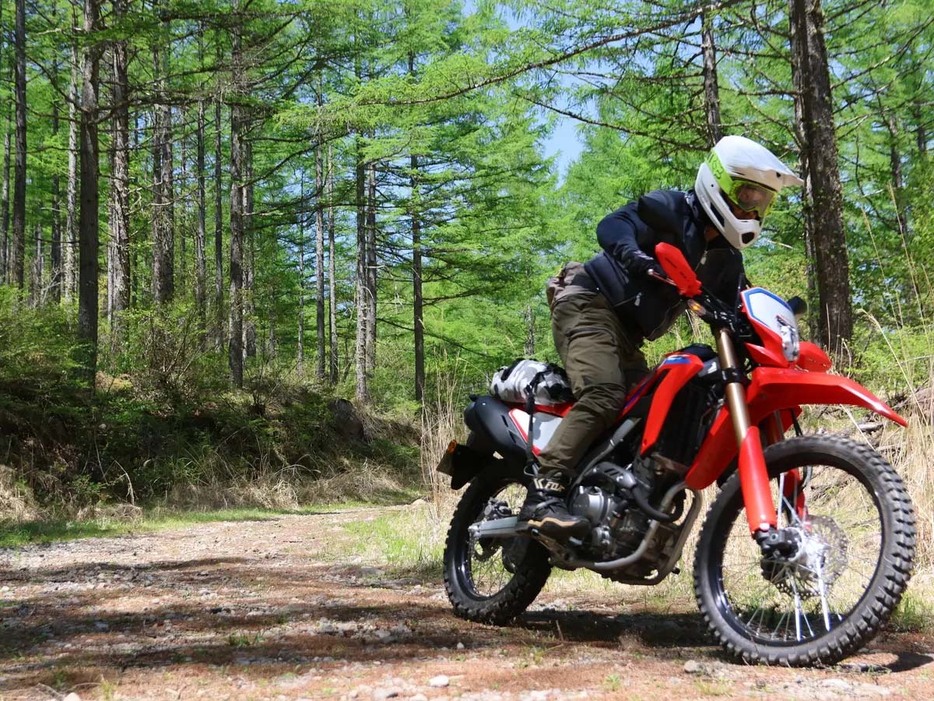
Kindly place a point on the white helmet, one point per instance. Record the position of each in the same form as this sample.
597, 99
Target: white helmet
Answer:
740, 172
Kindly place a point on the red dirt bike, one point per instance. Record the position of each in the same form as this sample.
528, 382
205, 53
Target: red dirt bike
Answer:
807, 547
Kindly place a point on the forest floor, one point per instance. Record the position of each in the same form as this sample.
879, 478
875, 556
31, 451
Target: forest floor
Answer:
276, 608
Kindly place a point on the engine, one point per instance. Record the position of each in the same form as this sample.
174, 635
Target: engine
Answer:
604, 497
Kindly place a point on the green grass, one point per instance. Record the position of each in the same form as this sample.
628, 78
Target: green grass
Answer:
410, 541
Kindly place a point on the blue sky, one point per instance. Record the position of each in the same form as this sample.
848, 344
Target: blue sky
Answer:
563, 144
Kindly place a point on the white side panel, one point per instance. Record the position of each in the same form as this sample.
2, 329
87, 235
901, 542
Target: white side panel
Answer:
543, 426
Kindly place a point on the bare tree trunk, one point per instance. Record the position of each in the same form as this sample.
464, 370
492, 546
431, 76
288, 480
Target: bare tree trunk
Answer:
37, 271
711, 87
371, 268
88, 226
249, 267
120, 188
201, 263
70, 272
418, 299
5, 176
5, 201
163, 239
333, 369
895, 173
18, 247
812, 75
362, 391
301, 281
55, 282
235, 354
218, 229
319, 260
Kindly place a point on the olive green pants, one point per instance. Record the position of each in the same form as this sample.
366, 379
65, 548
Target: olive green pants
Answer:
602, 361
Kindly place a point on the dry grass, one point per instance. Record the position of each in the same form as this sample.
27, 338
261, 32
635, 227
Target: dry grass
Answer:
16, 501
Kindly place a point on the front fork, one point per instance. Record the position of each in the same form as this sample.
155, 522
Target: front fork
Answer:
753, 474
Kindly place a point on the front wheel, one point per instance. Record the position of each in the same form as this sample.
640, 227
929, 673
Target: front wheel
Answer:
492, 580
854, 525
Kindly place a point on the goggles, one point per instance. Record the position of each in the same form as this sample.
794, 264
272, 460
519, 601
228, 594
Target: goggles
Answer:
745, 194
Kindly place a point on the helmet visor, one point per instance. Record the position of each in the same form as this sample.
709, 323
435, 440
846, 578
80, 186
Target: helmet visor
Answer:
746, 195
751, 197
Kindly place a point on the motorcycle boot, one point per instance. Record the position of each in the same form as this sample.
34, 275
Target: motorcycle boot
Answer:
545, 511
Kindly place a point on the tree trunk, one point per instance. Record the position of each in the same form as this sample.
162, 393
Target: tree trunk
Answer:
371, 268
319, 261
711, 87
235, 354
332, 269
201, 263
249, 238
418, 299
5, 201
218, 229
163, 239
120, 187
812, 77
362, 389
55, 282
88, 236
70, 272
301, 280
37, 271
18, 247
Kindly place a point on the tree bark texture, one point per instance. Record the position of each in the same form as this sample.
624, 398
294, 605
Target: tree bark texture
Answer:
201, 263
320, 320
55, 252
249, 242
5, 200
120, 185
371, 268
235, 332
418, 298
218, 227
362, 389
333, 369
89, 235
711, 87
819, 148
70, 243
18, 243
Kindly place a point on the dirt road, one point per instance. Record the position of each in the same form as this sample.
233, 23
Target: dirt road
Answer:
272, 609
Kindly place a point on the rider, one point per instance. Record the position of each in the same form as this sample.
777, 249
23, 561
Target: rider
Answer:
603, 310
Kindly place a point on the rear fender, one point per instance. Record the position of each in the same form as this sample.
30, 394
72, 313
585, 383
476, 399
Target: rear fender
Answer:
462, 463
772, 390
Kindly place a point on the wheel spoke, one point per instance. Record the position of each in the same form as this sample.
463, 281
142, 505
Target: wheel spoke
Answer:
831, 510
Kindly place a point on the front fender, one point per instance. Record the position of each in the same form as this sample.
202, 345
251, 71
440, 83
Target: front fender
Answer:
771, 390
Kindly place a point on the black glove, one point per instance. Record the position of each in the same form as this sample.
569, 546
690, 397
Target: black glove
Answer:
641, 264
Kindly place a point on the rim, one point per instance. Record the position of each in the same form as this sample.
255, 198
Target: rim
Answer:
488, 565
787, 601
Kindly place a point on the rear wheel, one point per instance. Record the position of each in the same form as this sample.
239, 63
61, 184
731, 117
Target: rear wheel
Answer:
851, 517
492, 580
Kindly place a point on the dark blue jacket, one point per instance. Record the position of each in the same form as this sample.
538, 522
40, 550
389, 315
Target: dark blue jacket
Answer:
628, 237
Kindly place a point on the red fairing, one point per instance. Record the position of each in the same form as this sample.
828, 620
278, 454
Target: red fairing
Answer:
770, 352
674, 372
813, 358
771, 390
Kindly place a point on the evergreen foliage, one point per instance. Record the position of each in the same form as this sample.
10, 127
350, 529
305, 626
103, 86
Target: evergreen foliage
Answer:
397, 213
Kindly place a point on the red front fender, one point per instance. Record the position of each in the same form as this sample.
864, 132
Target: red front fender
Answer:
770, 390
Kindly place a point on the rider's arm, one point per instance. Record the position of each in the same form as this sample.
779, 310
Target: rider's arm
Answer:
619, 233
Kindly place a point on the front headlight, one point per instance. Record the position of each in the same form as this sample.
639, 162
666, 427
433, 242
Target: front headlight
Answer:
791, 342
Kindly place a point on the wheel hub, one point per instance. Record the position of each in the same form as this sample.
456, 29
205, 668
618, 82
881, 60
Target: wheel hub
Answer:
819, 559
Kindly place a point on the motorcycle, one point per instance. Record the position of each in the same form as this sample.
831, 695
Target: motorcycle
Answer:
808, 545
